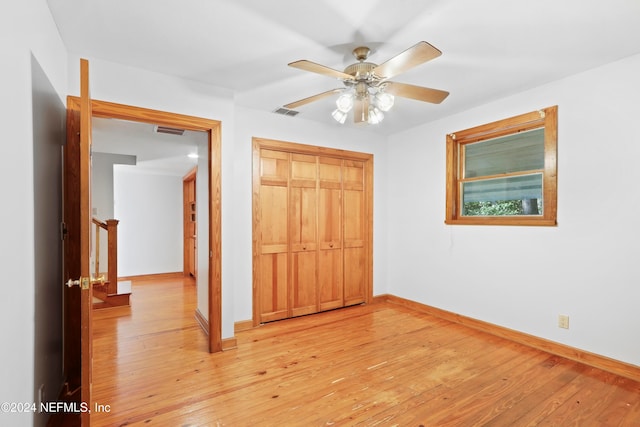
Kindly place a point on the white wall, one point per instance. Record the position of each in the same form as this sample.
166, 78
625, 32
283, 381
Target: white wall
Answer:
49, 119
102, 196
102, 182
26, 27
524, 277
149, 207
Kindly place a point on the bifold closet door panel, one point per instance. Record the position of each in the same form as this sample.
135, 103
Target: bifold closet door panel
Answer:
354, 276
303, 231
304, 291
330, 277
330, 271
330, 280
354, 233
273, 217
273, 279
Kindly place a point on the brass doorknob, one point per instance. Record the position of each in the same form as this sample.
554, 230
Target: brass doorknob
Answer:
95, 280
85, 281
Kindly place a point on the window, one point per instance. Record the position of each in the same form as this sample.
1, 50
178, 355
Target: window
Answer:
504, 173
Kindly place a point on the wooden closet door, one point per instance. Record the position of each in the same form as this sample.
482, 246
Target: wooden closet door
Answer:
312, 229
330, 280
303, 232
354, 232
273, 216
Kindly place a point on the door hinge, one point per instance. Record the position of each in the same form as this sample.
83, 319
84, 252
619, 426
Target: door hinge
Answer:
63, 231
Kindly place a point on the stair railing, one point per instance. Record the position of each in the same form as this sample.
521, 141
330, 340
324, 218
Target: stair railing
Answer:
111, 227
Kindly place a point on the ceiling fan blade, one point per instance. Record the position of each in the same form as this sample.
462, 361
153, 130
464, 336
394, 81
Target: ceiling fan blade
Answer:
361, 110
419, 93
304, 101
320, 69
415, 55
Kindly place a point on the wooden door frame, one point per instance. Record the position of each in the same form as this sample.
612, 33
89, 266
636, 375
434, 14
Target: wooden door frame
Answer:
104, 109
292, 147
86, 298
189, 177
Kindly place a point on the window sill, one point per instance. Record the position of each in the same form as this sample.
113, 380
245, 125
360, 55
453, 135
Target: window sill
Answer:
521, 221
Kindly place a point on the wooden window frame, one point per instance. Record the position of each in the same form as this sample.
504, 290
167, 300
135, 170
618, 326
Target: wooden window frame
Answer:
546, 118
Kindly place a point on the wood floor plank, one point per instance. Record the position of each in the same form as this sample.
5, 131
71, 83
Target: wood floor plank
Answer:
371, 365
498, 397
547, 385
423, 375
618, 406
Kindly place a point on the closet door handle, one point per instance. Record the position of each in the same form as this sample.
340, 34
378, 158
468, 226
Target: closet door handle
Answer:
330, 245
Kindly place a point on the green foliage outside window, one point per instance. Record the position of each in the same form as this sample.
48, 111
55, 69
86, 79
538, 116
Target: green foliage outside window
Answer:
501, 207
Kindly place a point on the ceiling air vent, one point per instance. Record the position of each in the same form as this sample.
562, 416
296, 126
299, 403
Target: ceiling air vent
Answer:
170, 131
286, 112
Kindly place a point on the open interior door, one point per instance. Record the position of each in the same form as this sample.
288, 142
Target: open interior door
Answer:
78, 298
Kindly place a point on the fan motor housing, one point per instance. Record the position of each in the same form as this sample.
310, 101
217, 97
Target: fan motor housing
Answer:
361, 70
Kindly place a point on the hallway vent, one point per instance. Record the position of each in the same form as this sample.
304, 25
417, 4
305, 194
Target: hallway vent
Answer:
286, 112
170, 131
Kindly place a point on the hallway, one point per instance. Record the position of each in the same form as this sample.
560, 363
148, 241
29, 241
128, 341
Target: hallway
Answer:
141, 350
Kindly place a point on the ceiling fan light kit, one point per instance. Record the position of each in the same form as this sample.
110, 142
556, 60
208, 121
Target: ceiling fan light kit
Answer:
345, 102
339, 115
375, 116
382, 101
368, 90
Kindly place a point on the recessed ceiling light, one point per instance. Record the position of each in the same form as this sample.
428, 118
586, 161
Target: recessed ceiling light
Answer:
192, 155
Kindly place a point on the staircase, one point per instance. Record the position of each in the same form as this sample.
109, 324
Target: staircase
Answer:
111, 293
104, 297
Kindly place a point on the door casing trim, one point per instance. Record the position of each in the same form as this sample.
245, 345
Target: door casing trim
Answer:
104, 109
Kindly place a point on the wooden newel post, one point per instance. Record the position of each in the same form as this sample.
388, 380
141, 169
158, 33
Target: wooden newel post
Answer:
112, 243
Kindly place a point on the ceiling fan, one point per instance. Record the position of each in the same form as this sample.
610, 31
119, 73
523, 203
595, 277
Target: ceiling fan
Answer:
368, 90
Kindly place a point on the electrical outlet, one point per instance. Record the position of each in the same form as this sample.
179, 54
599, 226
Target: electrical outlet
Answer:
563, 321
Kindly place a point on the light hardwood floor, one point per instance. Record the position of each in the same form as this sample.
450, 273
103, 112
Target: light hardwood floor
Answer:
375, 365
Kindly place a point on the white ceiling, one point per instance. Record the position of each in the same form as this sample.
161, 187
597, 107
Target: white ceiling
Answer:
491, 48
155, 152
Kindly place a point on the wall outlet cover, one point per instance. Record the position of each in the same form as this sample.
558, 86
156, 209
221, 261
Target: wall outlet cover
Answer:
563, 321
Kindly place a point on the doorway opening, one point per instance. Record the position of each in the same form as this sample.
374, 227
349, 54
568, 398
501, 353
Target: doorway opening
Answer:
209, 173
138, 174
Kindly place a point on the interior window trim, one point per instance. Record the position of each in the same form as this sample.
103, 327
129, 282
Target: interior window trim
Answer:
545, 118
